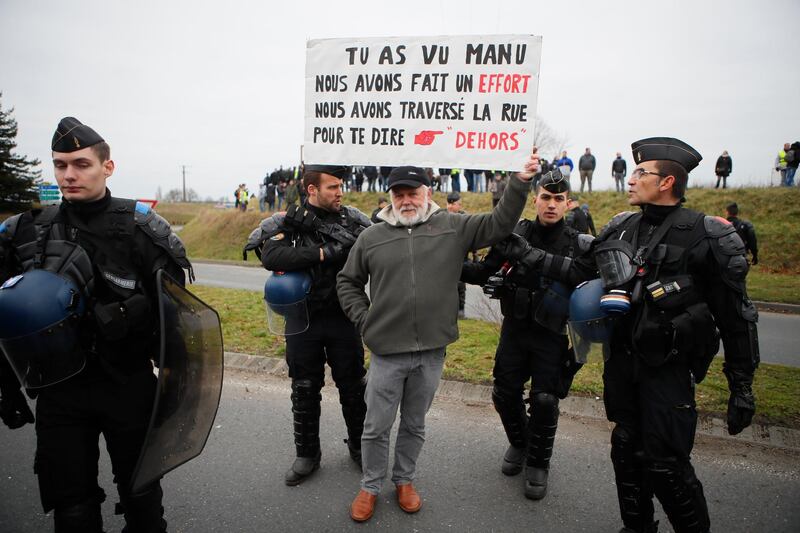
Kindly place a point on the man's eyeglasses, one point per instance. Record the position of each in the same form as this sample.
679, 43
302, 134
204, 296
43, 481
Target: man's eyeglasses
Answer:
639, 172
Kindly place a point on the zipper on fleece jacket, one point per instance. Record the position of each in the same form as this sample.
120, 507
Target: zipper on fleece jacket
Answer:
413, 287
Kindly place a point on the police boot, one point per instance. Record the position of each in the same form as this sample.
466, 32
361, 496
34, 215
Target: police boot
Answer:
681, 496
306, 400
143, 511
511, 408
652, 527
541, 434
80, 518
354, 409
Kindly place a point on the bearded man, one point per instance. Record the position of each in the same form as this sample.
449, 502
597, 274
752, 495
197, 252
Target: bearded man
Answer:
413, 264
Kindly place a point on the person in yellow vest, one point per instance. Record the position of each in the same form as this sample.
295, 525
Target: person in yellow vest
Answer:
455, 179
780, 163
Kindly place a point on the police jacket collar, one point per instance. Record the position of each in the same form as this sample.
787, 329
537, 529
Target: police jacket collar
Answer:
655, 214
87, 209
319, 211
548, 233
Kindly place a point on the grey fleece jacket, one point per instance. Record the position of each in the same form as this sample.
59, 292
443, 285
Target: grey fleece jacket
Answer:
413, 273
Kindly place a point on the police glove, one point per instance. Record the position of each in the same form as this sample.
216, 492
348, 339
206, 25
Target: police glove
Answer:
742, 403
14, 410
755, 259
333, 251
300, 218
513, 247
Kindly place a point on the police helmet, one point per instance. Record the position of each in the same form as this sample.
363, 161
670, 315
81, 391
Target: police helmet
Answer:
287, 288
285, 296
40, 313
37, 300
587, 318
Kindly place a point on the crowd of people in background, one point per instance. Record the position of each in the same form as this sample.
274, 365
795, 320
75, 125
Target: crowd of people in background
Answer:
786, 162
282, 187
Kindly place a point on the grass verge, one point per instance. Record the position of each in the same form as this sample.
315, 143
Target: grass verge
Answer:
220, 234
471, 359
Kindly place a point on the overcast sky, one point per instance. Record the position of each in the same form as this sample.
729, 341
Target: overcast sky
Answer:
218, 86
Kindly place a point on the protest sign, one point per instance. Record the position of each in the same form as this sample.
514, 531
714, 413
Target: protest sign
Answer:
450, 101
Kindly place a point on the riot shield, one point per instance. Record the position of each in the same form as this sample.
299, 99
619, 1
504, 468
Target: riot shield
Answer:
189, 383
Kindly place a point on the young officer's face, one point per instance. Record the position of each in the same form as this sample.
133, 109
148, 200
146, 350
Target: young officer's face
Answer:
81, 175
328, 195
550, 206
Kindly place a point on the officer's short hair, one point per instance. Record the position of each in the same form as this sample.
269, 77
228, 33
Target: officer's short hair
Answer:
311, 177
102, 150
733, 209
671, 168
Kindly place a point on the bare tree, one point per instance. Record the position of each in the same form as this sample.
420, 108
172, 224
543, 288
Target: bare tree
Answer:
176, 195
549, 141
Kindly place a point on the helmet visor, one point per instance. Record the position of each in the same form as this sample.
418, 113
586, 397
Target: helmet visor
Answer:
47, 356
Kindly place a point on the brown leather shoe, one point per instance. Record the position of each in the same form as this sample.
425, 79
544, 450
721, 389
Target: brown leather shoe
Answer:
363, 506
408, 499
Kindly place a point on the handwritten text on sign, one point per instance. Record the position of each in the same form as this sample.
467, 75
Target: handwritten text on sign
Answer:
451, 102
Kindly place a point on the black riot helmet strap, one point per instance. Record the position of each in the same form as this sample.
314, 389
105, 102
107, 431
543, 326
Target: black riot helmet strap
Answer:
43, 224
643, 253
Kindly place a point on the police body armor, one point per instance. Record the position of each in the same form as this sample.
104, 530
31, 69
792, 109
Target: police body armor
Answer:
669, 318
544, 301
343, 227
120, 324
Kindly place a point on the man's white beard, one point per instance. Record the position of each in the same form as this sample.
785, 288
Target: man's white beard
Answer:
413, 219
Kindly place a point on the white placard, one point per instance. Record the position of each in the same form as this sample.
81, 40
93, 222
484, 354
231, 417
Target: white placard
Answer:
450, 101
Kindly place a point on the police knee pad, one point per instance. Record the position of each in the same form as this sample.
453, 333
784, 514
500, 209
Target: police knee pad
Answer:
306, 394
84, 517
544, 400
622, 442
622, 437
504, 398
673, 474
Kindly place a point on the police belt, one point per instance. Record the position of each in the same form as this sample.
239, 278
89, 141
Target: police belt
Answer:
544, 307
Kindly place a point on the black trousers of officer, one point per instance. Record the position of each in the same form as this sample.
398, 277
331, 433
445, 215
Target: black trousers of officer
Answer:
331, 338
655, 415
70, 416
529, 351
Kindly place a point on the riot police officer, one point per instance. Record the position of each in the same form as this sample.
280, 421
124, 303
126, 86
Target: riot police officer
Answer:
533, 341
674, 277
316, 237
104, 252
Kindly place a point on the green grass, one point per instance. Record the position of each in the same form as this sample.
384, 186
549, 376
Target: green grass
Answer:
220, 234
244, 320
180, 214
471, 358
773, 287
211, 233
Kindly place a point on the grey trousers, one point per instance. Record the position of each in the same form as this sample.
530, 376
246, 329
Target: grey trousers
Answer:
408, 380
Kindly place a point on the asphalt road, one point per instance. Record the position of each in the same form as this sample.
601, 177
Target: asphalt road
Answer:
779, 334
237, 485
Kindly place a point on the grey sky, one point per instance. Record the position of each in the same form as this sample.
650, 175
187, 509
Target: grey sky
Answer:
218, 86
